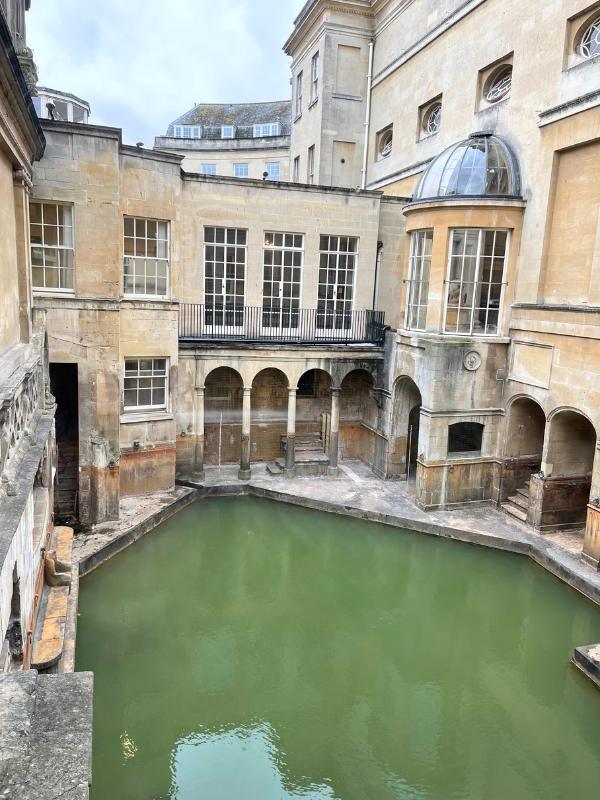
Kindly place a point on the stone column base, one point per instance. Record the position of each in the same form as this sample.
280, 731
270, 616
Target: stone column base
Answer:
244, 474
333, 472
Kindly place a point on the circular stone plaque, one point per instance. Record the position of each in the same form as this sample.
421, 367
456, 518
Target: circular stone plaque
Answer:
472, 361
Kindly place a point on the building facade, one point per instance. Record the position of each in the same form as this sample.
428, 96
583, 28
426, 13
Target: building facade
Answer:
27, 450
240, 140
415, 288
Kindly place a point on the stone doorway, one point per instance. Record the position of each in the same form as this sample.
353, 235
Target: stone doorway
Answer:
404, 429
65, 388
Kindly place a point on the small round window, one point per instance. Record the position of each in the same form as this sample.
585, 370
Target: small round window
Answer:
499, 84
385, 143
432, 119
589, 44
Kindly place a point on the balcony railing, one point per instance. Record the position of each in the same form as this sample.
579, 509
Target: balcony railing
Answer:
301, 326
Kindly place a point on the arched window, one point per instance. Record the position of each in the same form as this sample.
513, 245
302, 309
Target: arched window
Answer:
465, 437
499, 84
589, 43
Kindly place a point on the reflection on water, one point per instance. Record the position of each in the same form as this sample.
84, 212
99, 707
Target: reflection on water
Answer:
256, 651
236, 763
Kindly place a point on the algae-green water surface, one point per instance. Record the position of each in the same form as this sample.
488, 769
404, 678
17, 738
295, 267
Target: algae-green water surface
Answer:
248, 650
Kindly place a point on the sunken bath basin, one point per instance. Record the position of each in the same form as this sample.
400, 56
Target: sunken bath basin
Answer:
250, 650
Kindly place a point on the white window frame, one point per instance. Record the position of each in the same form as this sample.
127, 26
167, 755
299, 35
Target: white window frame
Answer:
59, 249
337, 315
154, 373
272, 164
229, 315
177, 131
244, 167
196, 132
266, 129
269, 245
473, 332
187, 131
314, 78
298, 105
417, 263
227, 131
145, 258
310, 165
208, 169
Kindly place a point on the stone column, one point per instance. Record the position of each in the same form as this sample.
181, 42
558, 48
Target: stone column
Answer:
198, 468
334, 434
244, 473
290, 450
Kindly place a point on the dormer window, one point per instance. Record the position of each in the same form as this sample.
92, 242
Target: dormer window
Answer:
227, 131
268, 129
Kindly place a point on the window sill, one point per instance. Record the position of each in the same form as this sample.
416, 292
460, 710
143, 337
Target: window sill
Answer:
148, 298
425, 137
145, 416
313, 103
53, 292
297, 117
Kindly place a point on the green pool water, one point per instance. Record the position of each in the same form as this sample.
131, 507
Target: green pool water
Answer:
248, 650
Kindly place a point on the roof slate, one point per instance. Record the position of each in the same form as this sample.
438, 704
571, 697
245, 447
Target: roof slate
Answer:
238, 114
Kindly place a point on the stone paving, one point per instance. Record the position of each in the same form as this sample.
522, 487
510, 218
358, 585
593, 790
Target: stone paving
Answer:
355, 492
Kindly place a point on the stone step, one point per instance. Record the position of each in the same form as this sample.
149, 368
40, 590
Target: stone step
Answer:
524, 492
50, 629
273, 468
515, 511
522, 501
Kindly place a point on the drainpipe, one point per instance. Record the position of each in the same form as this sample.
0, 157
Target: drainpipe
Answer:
363, 184
377, 267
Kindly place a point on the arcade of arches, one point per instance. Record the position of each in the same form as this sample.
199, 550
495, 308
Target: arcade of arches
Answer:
303, 419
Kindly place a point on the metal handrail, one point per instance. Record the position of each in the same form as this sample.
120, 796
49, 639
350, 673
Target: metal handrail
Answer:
294, 326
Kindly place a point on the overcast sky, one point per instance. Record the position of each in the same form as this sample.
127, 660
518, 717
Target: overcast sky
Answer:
142, 63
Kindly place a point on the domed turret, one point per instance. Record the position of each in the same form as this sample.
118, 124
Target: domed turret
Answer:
481, 166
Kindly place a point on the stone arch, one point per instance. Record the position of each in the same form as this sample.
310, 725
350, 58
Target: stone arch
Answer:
561, 492
358, 416
268, 413
313, 402
571, 443
223, 399
523, 448
345, 369
404, 427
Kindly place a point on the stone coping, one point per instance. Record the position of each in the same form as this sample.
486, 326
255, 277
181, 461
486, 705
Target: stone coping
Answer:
368, 498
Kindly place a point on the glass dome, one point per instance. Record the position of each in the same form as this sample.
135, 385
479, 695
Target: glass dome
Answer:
481, 166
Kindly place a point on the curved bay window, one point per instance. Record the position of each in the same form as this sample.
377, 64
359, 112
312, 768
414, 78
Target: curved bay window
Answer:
475, 281
418, 282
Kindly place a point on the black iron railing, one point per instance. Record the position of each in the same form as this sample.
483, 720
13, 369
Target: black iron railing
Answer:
300, 326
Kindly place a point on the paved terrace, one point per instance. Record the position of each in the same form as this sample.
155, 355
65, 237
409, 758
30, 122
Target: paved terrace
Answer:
356, 492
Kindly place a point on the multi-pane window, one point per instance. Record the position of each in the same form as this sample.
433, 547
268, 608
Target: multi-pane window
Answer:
268, 129
146, 257
475, 280
145, 386
208, 169
310, 168
299, 81
282, 275
418, 282
240, 170
51, 231
224, 275
227, 131
314, 78
296, 170
273, 170
337, 265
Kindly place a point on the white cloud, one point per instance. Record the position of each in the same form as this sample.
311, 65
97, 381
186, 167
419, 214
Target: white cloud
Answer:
142, 63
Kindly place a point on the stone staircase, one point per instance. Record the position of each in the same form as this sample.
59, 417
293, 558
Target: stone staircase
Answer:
518, 504
65, 495
309, 456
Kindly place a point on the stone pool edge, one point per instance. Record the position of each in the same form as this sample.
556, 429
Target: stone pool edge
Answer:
551, 557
